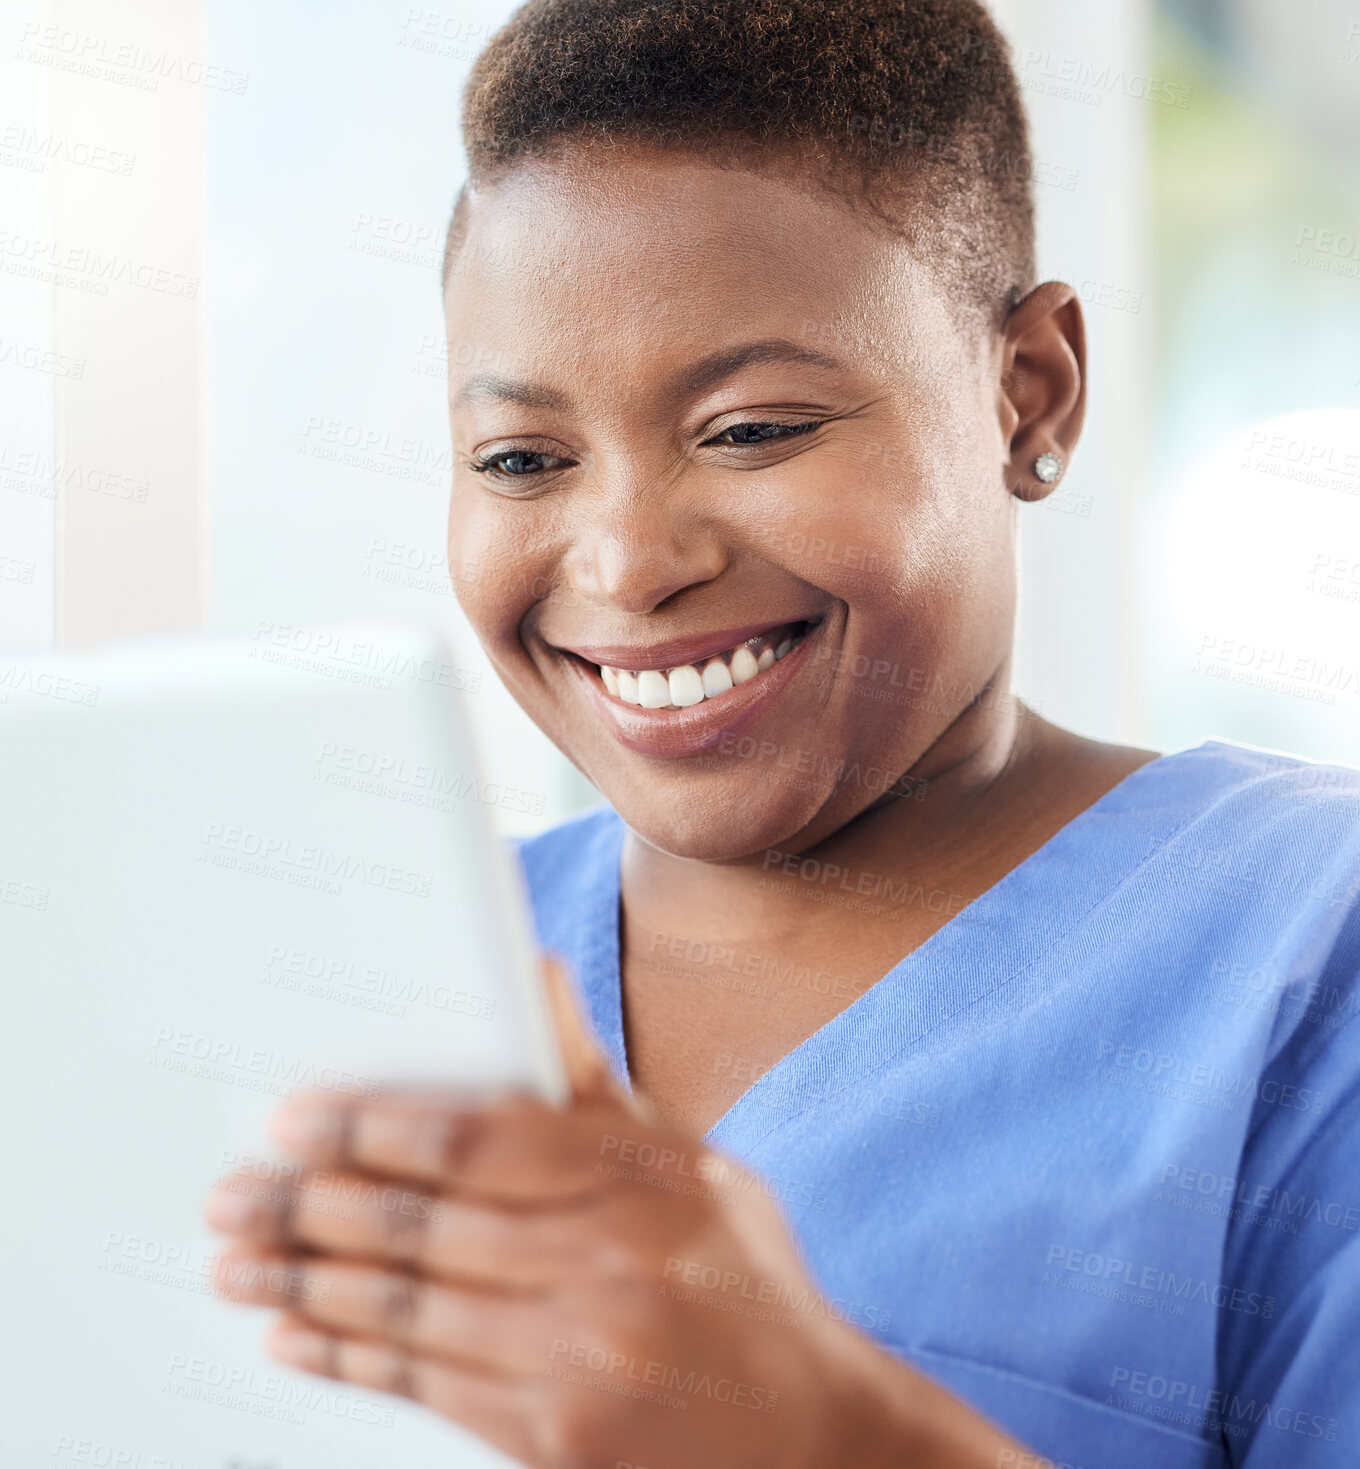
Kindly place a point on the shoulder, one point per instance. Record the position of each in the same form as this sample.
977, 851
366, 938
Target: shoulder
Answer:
1264, 869
1230, 796
1256, 839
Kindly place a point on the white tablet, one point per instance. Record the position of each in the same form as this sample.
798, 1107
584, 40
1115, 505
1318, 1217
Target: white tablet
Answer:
229, 870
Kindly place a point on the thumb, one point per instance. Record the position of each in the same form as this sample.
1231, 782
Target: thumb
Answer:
588, 1071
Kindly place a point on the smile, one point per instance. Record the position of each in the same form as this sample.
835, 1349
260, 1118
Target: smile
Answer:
682, 697
687, 684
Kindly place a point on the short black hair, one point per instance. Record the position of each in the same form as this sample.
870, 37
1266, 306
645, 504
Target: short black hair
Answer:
892, 102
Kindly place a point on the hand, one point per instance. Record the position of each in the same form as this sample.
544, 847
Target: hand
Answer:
562, 1283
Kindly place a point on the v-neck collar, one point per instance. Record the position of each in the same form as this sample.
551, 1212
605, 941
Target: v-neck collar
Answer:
973, 955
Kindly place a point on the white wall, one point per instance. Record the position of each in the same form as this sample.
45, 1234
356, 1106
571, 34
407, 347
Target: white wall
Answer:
101, 152
28, 356
1086, 82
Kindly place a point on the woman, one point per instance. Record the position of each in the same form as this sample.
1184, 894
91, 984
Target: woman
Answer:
962, 1090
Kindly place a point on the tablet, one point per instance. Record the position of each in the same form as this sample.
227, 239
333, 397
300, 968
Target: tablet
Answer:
229, 870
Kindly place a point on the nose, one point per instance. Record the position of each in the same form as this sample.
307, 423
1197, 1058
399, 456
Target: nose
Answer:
642, 545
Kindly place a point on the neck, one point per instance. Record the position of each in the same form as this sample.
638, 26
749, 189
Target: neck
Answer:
967, 783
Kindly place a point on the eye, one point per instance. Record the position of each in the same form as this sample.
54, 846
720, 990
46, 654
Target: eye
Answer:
517, 463
746, 434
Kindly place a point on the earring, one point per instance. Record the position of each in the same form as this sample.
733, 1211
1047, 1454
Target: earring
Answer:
1048, 468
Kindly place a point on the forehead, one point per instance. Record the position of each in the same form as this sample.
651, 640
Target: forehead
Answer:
593, 248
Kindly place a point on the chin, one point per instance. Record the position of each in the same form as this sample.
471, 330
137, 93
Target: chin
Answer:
738, 823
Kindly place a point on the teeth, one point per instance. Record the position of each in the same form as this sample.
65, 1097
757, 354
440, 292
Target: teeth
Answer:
687, 685
654, 692
717, 679
744, 666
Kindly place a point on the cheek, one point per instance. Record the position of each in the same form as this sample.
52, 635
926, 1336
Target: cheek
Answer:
869, 526
492, 563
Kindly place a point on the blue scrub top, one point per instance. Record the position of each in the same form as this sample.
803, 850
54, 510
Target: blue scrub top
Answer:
1090, 1155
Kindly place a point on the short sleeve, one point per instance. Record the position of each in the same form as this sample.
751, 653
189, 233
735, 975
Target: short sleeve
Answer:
1289, 1390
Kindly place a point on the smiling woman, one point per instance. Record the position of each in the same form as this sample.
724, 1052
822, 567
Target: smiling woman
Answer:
916, 1019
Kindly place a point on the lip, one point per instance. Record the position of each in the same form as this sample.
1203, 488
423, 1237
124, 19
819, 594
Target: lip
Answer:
678, 651
673, 734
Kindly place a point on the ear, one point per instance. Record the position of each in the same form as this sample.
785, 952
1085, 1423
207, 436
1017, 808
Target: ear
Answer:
1043, 385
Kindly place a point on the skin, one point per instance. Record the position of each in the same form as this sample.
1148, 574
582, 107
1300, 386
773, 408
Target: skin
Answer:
589, 289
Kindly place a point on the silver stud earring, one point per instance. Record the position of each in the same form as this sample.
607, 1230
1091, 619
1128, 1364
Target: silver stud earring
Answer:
1048, 468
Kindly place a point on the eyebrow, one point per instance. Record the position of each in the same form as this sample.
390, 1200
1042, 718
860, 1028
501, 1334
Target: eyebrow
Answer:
709, 371
491, 387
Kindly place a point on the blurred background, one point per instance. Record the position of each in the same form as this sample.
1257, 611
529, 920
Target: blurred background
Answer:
222, 373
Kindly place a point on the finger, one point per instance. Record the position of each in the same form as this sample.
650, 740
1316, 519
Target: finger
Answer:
587, 1069
474, 1329
456, 1239
518, 1150
497, 1410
